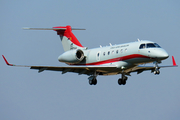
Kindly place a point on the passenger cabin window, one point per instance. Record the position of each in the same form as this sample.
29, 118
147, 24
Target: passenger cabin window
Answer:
108, 52
117, 51
104, 53
126, 50
121, 50
98, 54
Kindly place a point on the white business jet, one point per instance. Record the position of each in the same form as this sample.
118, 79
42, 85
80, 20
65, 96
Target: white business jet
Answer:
110, 60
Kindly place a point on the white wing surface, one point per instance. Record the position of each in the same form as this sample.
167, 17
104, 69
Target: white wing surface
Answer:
80, 69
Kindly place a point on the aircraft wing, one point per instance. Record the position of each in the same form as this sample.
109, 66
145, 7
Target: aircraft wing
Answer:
141, 68
89, 69
80, 69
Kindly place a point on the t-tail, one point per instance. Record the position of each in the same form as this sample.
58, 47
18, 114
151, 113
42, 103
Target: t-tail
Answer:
68, 39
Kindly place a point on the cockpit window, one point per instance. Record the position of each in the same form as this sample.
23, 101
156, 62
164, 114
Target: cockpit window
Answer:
157, 45
150, 45
142, 46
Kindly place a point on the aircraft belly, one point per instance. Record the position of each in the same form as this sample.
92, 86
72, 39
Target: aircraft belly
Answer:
140, 60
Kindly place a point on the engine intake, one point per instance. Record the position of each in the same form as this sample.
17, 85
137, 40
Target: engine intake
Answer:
80, 55
72, 56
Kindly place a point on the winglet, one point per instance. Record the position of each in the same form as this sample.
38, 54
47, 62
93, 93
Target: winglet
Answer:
174, 62
6, 61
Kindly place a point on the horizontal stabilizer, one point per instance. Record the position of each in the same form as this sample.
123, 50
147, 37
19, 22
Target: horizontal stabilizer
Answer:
27, 28
68, 39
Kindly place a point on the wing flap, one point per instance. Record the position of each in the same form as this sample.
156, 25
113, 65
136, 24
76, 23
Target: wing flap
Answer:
65, 69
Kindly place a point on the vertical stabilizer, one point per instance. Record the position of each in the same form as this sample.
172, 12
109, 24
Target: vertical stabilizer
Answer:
68, 39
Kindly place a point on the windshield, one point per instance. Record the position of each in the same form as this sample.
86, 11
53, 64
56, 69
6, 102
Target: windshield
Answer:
157, 45
149, 45
142, 46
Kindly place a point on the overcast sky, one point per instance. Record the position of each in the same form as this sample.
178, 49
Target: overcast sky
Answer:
28, 95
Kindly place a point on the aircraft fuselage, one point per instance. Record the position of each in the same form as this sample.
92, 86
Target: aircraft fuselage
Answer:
124, 56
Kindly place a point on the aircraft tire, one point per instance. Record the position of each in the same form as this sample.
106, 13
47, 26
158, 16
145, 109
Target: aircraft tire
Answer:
124, 82
157, 72
119, 81
94, 81
90, 82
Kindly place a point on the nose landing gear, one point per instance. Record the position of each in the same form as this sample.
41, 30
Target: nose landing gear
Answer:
156, 71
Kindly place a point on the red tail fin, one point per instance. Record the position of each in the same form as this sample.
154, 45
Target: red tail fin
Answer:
68, 33
69, 41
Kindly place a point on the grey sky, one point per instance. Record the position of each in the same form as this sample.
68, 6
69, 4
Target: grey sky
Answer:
27, 95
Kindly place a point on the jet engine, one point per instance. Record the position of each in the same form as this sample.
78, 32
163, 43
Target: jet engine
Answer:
72, 56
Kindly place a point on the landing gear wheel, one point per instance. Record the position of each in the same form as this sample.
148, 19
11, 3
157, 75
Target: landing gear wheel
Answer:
119, 81
93, 81
122, 81
90, 82
157, 72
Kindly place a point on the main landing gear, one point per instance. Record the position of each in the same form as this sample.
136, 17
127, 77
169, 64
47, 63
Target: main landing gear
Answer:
92, 79
122, 80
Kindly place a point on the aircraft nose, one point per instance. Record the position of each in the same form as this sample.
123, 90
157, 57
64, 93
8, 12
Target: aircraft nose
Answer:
163, 55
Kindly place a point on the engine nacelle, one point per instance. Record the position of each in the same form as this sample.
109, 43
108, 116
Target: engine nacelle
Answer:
72, 56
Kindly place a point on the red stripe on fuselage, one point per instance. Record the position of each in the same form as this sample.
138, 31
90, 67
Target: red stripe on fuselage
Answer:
128, 57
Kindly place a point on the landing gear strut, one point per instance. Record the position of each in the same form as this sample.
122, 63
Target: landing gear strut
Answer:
156, 71
122, 80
